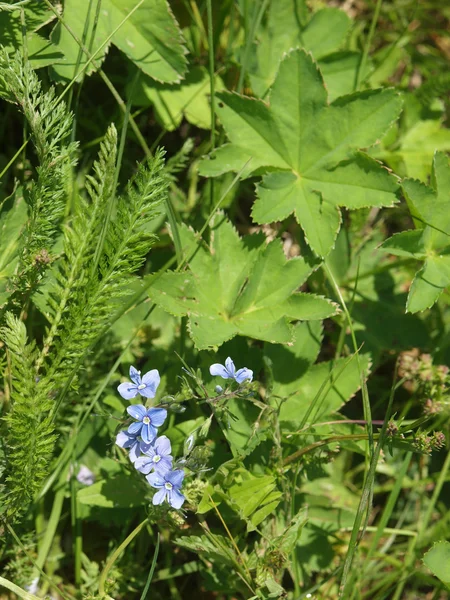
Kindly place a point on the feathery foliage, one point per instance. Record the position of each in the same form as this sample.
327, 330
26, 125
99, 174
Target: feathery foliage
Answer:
28, 427
50, 125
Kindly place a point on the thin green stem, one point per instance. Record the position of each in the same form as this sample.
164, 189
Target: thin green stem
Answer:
365, 500
12, 587
365, 396
257, 16
367, 45
423, 527
115, 555
152, 570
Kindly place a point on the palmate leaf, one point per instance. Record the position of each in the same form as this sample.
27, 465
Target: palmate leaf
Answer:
323, 35
430, 242
308, 149
238, 287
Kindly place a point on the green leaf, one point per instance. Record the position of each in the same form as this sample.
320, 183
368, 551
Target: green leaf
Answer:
238, 287
297, 380
254, 497
41, 52
12, 223
429, 207
189, 99
417, 147
214, 546
437, 559
288, 540
405, 243
324, 34
150, 37
339, 71
119, 491
309, 147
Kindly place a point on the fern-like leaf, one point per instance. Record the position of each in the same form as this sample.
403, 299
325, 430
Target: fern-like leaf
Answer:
28, 428
50, 126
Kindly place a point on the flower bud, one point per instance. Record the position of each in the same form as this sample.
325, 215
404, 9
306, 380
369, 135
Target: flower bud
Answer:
189, 444
218, 389
176, 408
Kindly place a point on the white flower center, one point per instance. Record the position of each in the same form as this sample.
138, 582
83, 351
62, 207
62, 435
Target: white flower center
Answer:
156, 458
146, 420
142, 386
168, 486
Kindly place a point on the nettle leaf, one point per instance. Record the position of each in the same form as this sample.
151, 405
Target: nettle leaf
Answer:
323, 35
297, 380
214, 546
155, 44
308, 149
254, 498
238, 286
430, 242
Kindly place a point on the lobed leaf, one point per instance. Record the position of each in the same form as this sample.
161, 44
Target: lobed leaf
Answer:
238, 287
309, 148
430, 241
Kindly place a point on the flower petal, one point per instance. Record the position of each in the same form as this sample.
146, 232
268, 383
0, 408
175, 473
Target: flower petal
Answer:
135, 428
229, 364
151, 380
135, 452
219, 370
159, 497
157, 416
162, 445
124, 439
155, 480
243, 374
137, 411
135, 376
127, 390
147, 449
175, 478
144, 464
164, 465
176, 499
148, 433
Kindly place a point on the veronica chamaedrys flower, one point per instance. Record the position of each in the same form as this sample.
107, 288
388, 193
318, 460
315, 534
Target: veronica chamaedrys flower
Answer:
130, 442
145, 386
169, 485
156, 457
147, 421
229, 371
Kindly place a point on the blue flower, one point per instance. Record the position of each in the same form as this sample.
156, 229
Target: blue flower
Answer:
229, 371
145, 386
157, 457
129, 441
169, 485
147, 421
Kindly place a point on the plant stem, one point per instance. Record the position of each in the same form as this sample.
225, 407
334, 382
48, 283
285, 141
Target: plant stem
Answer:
115, 555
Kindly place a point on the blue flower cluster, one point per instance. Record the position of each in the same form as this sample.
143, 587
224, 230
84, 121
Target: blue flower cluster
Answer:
150, 454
